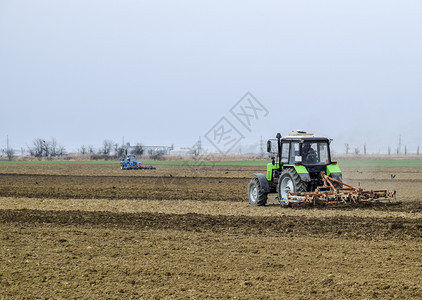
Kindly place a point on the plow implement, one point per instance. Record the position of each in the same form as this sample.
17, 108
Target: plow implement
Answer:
137, 167
328, 194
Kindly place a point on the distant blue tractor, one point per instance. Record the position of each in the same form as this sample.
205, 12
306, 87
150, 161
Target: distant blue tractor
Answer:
129, 163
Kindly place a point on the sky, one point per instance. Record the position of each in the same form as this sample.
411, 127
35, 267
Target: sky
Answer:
171, 72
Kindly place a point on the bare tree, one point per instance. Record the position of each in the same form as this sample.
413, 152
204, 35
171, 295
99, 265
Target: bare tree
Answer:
107, 146
347, 148
82, 149
119, 151
417, 150
56, 149
364, 149
139, 150
38, 148
9, 152
44, 148
389, 150
91, 149
357, 151
61, 150
53, 147
405, 150
157, 155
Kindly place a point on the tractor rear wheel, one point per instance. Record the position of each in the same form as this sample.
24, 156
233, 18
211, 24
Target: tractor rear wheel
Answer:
289, 182
256, 194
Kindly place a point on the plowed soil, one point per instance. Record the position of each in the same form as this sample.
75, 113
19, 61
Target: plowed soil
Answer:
95, 231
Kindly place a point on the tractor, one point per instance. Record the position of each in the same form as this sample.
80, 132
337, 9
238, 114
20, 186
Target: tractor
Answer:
301, 171
129, 163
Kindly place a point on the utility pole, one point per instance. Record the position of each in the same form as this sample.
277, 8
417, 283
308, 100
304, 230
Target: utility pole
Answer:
262, 146
399, 150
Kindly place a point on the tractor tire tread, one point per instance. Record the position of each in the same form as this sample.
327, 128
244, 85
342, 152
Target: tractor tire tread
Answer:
300, 186
262, 196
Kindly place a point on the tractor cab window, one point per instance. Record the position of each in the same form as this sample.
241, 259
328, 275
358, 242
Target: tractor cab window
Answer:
285, 149
295, 153
315, 153
323, 153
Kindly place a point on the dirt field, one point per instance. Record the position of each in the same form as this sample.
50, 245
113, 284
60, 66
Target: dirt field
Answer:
95, 231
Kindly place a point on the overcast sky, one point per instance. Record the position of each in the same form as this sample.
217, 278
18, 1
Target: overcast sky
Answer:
166, 72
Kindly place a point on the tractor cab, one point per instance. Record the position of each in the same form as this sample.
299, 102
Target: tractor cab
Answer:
305, 148
130, 158
301, 148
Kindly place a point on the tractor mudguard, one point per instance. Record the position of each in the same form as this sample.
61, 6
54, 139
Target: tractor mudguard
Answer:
334, 171
337, 176
263, 182
333, 168
305, 177
302, 172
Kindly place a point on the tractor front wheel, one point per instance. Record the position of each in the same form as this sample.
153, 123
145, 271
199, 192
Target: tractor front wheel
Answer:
256, 194
289, 182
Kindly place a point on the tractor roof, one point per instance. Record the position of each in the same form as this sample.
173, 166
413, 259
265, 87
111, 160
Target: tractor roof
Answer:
299, 134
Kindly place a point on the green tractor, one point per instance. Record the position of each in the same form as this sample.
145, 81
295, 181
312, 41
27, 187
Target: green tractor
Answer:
297, 162
302, 172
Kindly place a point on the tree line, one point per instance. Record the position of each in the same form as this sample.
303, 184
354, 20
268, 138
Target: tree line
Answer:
111, 149
49, 149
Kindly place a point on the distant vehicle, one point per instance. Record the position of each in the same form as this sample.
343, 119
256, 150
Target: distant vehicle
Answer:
129, 163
